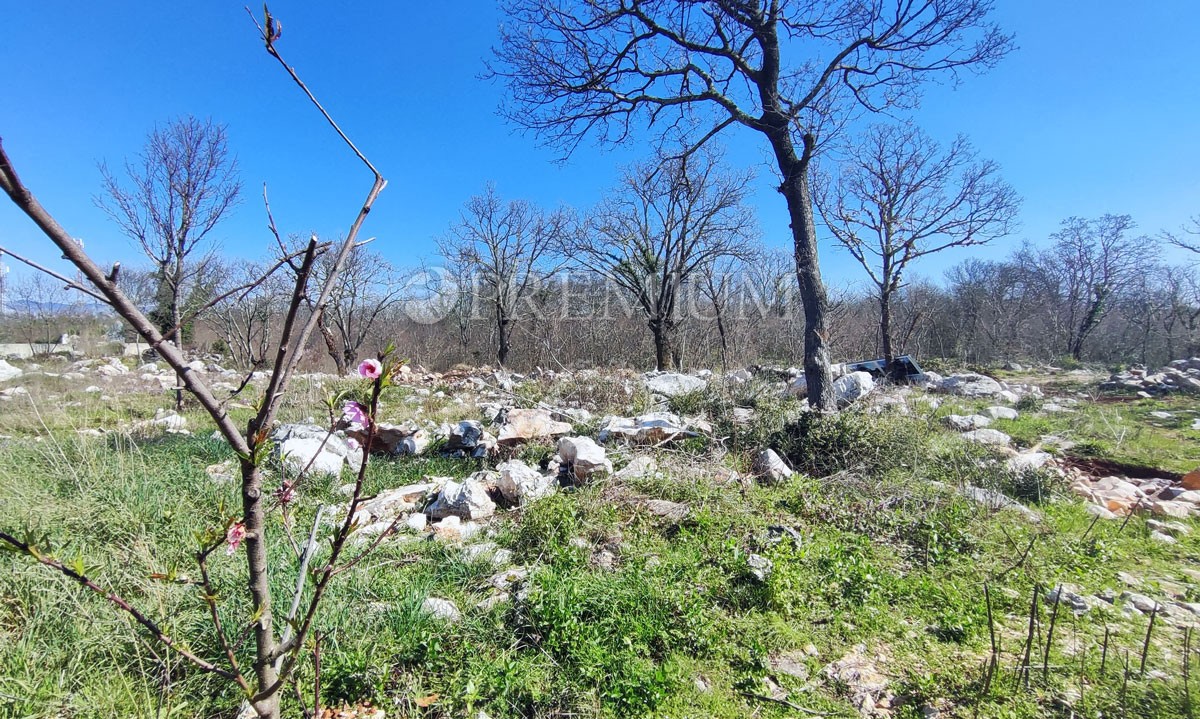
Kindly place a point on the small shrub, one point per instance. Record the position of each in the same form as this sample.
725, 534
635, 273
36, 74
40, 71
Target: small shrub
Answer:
1030, 403
689, 404
822, 445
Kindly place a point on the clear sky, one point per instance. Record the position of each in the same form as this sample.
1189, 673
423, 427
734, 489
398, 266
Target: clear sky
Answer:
1097, 111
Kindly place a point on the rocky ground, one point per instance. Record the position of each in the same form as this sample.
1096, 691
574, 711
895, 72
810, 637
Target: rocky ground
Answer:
470, 457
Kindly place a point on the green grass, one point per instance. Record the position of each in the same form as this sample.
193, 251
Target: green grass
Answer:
885, 554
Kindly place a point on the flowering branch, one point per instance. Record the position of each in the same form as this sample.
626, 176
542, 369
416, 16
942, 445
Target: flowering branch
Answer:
77, 574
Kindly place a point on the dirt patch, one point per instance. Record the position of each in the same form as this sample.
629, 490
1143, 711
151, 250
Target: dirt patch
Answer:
1099, 467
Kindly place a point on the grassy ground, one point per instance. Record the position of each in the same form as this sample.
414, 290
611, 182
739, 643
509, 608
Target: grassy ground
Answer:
624, 613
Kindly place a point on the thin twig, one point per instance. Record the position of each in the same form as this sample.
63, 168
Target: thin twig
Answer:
71, 284
790, 705
120, 602
1146, 643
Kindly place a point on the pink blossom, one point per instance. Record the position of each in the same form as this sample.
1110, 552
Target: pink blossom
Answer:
286, 493
353, 444
370, 369
355, 414
234, 536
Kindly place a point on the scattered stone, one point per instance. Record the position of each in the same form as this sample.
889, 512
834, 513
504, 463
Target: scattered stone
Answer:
417, 522
505, 579
522, 425
969, 385
1167, 508
222, 472
469, 438
1001, 413
489, 551
642, 465
1175, 529
9, 372
997, 501
307, 445
988, 436
760, 567
11, 393
866, 685
1140, 602
853, 386
673, 384
1163, 538
792, 664
521, 484
1028, 461
467, 500
391, 503
1069, 597
442, 609
673, 511
583, 459
769, 467
967, 423
652, 428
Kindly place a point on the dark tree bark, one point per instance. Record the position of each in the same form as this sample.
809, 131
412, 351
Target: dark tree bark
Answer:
602, 68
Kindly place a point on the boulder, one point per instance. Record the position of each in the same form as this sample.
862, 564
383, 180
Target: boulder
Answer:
1028, 461
582, 458
466, 500
966, 423
469, 438
1001, 413
9, 372
391, 503
673, 384
970, 384
388, 439
988, 436
769, 467
652, 428
797, 387
521, 484
640, 466
416, 443
852, 386
442, 609
522, 425
298, 445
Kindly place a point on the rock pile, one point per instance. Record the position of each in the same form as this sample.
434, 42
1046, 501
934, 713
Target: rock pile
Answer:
1182, 375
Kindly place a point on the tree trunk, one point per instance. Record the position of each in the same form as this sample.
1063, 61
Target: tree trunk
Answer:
503, 328
795, 190
331, 344
253, 512
724, 340
666, 355
177, 338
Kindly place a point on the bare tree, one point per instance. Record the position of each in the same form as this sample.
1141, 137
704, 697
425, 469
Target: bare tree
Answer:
900, 197
247, 322
40, 309
366, 288
718, 283
1090, 264
1189, 237
787, 70
667, 219
504, 251
182, 185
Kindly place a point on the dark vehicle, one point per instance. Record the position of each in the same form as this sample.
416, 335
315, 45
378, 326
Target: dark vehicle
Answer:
904, 369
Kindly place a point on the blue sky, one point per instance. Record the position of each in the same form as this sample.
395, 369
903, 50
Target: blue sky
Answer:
1097, 111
